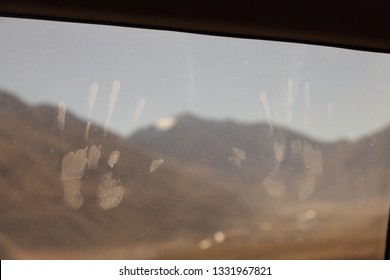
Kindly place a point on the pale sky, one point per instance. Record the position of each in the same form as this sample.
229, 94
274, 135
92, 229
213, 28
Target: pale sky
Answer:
325, 92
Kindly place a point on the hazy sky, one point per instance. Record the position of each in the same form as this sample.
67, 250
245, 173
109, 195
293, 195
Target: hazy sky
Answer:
325, 92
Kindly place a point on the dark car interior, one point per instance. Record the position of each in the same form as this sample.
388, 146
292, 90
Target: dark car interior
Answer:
353, 25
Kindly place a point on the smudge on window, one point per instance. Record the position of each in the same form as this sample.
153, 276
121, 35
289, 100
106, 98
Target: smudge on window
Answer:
61, 116
91, 103
274, 187
73, 168
238, 156
155, 164
219, 237
279, 151
307, 185
138, 109
264, 102
290, 100
73, 164
205, 244
111, 103
93, 157
113, 159
110, 193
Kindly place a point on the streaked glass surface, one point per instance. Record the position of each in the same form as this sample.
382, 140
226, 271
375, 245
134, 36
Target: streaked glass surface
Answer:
123, 143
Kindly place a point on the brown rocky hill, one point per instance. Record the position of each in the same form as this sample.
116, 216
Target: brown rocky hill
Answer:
59, 191
40, 202
340, 170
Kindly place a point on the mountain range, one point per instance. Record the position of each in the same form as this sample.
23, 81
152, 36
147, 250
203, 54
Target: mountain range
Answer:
67, 187
342, 170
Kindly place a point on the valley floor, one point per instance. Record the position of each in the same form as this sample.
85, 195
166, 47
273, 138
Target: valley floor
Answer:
304, 231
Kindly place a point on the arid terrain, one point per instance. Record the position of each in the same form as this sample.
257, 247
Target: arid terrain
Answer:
195, 189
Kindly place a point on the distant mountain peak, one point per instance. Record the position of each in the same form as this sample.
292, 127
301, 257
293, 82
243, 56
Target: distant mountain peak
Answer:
165, 124
168, 123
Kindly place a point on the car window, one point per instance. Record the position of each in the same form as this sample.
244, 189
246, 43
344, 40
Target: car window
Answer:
126, 143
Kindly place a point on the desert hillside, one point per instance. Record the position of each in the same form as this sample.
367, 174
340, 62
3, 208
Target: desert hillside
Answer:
196, 189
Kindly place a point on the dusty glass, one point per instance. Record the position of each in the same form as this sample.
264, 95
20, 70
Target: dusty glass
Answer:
123, 143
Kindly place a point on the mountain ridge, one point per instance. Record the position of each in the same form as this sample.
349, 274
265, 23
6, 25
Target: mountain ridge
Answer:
193, 179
